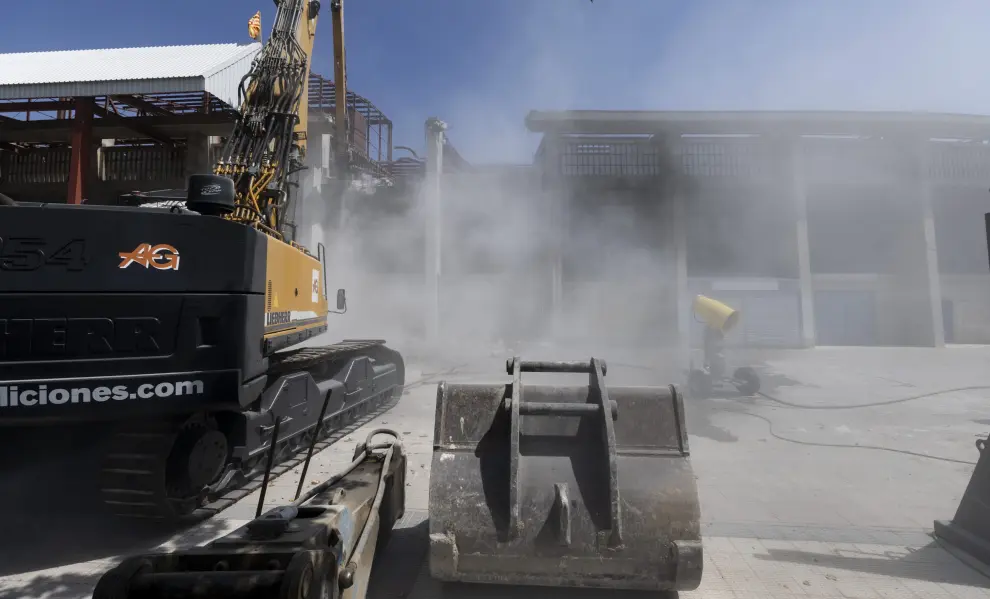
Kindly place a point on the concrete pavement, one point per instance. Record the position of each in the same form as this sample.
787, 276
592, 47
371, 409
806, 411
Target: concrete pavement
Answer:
809, 501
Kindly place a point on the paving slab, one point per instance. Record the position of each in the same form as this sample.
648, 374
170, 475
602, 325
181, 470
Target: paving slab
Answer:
807, 492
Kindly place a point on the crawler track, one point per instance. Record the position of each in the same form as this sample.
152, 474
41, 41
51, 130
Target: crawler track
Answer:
133, 474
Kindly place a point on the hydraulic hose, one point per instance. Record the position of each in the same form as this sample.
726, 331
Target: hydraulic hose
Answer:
358, 459
888, 402
872, 404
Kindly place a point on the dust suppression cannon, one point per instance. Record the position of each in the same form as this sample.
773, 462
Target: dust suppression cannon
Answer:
718, 319
578, 485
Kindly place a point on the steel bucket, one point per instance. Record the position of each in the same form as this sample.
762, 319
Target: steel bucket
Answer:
969, 530
580, 486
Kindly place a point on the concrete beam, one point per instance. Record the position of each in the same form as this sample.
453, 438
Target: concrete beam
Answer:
37, 106
141, 104
60, 130
141, 129
628, 122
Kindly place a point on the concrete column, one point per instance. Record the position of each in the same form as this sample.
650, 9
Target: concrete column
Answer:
96, 186
555, 195
432, 201
317, 208
931, 250
913, 295
559, 205
314, 203
315, 219
684, 311
805, 281
326, 157
315, 178
197, 154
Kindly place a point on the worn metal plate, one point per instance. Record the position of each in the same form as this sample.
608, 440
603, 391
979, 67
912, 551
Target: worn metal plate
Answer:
561, 506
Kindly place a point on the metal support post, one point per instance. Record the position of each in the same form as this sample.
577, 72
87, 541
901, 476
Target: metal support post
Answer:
82, 149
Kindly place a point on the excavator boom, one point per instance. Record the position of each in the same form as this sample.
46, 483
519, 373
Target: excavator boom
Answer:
268, 142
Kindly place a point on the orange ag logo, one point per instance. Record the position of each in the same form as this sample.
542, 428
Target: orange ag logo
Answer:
159, 257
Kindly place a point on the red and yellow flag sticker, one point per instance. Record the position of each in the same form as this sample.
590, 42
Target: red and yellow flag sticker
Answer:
254, 26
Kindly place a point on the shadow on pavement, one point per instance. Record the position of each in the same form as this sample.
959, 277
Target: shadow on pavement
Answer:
727, 399
700, 421
58, 586
491, 591
930, 563
397, 567
78, 580
401, 570
771, 381
53, 513
398, 571
52, 542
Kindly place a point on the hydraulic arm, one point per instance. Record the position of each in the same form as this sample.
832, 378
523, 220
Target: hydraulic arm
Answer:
268, 142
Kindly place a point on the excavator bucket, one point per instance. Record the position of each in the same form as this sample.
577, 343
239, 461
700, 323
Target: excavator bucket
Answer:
969, 530
578, 486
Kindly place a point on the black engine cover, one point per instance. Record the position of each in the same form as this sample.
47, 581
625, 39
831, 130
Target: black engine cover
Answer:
126, 308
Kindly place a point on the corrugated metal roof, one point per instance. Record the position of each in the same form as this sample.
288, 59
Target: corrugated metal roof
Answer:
213, 68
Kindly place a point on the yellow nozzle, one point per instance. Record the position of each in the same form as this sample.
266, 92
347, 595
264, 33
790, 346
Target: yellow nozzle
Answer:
715, 314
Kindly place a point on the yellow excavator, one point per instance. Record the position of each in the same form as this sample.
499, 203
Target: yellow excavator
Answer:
168, 334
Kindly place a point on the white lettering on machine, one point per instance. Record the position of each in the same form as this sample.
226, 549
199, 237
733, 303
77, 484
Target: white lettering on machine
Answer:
27, 394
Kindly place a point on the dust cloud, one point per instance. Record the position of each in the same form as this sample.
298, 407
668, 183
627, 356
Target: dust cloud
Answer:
520, 271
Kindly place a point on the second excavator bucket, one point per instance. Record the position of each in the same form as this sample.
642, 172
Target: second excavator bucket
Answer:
969, 530
578, 486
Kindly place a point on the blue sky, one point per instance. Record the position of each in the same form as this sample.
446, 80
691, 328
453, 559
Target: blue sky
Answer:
481, 65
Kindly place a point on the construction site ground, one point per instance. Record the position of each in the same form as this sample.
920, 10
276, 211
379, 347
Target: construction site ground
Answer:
796, 503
